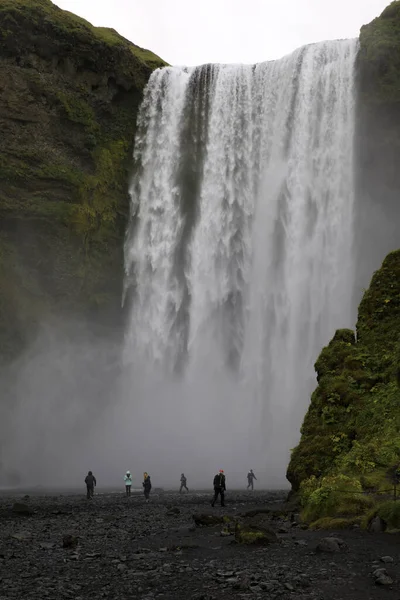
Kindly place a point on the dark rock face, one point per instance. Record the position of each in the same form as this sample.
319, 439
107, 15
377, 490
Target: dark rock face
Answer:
377, 144
69, 95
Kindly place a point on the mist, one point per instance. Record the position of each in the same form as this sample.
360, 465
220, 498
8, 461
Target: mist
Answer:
70, 405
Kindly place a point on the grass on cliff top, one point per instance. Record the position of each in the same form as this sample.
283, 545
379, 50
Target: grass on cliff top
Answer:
37, 10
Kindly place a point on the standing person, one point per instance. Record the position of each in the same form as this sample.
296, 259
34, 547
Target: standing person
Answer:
183, 483
219, 487
91, 483
250, 479
128, 483
146, 486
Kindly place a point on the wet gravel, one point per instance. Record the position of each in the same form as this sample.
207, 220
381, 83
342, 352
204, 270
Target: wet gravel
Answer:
123, 548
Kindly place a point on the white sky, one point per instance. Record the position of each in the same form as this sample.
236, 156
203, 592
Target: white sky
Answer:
227, 31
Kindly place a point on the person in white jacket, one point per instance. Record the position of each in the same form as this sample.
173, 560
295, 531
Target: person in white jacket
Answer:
128, 483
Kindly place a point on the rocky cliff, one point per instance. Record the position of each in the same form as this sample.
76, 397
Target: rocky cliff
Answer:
350, 437
69, 94
377, 144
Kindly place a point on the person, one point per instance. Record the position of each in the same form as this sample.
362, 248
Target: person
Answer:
91, 483
250, 479
183, 483
128, 483
219, 487
146, 486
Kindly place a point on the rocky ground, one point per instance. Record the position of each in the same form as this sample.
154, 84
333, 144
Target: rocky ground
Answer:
118, 548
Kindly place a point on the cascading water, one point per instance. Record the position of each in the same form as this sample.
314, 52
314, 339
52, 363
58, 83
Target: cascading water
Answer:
239, 254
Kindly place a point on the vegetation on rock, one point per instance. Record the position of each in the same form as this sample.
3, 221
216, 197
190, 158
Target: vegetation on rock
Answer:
68, 105
351, 433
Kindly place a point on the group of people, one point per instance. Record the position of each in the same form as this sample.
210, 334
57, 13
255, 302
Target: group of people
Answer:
219, 484
146, 484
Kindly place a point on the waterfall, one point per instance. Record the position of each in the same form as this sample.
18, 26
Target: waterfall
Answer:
239, 254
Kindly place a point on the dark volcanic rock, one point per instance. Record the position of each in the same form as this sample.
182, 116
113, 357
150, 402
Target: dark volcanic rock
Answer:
331, 544
22, 509
70, 541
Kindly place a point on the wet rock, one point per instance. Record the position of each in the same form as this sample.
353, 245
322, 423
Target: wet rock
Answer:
255, 531
331, 544
301, 543
21, 509
377, 525
22, 536
289, 587
202, 520
70, 541
382, 578
173, 512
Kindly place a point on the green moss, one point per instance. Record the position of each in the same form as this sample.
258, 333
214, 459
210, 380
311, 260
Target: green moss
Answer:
66, 23
72, 92
78, 111
335, 523
351, 432
388, 511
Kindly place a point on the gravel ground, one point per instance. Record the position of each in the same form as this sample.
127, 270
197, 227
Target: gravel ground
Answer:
122, 548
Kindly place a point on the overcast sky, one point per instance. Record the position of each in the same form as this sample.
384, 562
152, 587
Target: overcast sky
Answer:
183, 32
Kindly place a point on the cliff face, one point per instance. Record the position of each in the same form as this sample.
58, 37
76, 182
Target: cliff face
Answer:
350, 438
352, 427
69, 95
377, 144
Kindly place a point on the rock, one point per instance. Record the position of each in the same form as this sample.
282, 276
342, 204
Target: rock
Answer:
331, 544
202, 520
289, 587
381, 577
22, 509
301, 543
226, 533
283, 530
70, 541
22, 536
384, 580
377, 525
175, 511
255, 530
386, 559
47, 545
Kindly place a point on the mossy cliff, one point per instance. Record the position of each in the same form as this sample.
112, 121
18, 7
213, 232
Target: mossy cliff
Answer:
350, 438
69, 94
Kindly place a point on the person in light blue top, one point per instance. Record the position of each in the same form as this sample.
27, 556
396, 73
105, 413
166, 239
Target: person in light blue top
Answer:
128, 483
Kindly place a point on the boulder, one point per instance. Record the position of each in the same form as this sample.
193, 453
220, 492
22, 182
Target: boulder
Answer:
173, 512
377, 525
331, 544
255, 531
70, 541
202, 520
22, 509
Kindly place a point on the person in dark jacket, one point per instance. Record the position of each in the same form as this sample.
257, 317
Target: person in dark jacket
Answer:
250, 479
91, 483
146, 486
219, 487
183, 483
